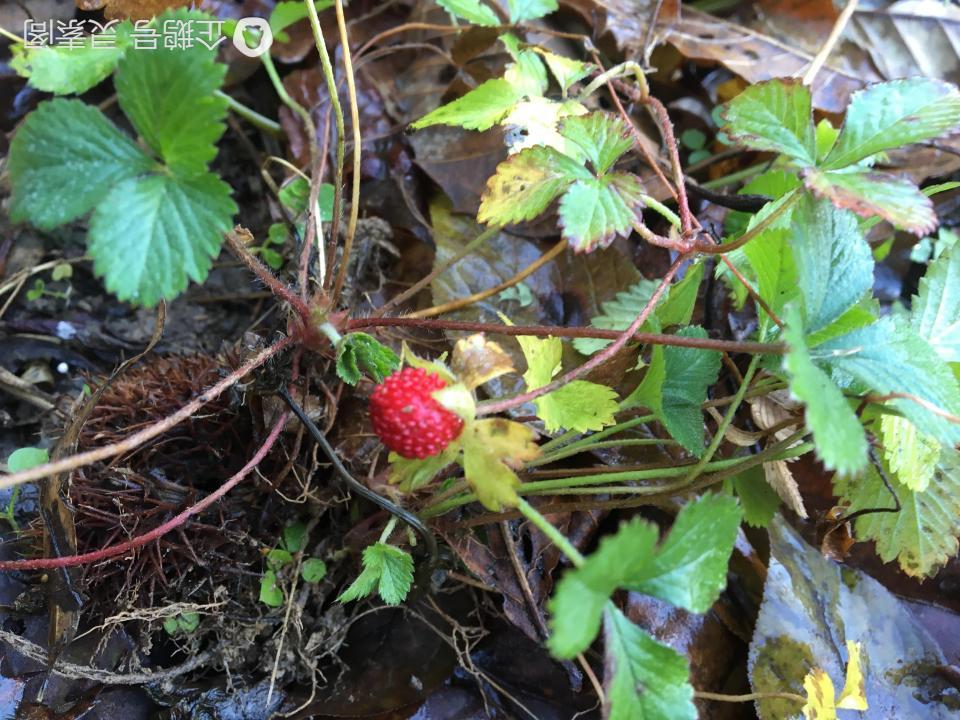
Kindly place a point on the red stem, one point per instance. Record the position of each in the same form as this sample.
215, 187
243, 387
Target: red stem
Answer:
733, 346
171, 524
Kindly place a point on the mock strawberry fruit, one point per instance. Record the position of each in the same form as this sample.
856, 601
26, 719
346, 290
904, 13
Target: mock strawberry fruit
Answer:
407, 418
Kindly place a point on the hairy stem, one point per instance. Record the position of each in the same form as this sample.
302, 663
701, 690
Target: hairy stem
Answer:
555, 536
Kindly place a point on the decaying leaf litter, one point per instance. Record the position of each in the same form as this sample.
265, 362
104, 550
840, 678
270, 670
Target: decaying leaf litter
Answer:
686, 280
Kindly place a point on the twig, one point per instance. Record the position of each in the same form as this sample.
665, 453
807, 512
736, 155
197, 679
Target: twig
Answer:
734, 346
357, 142
138, 439
835, 33
749, 696
484, 294
172, 524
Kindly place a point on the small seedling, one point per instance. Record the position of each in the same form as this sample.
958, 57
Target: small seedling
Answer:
312, 570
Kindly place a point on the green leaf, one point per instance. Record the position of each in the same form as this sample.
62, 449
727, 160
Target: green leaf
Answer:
527, 76
270, 592
278, 557
387, 569
65, 70
149, 236
188, 621
893, 114
287, 12
578, 602
171, 626
358, 352
833, 261
936, 309
313, 570
413, 473
168, 95
566, 70
758, 500
25, 458
909, 453
294, 537
643, 679
523, 10
296, 194
772, 260
890, 358
64, 159
676, 308
923, 535
480, 109
594, 211
839, 437
689, 568
774, 116
578, 405
526, 183
871, 194
602, 138
472, 11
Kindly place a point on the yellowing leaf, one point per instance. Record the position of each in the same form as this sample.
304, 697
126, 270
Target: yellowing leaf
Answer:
911, 454
458, 399
543, 359
491, 449
477, 360
534, 122
853, 696
821, 702
413, 473
564, 69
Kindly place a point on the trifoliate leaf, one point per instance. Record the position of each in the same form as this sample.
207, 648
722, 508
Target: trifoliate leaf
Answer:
757, 498
922, 537
909, 453
359, 353
892, 114
774, 116
64, 159
150, 235
169, 96
876, 194
25, 458
477, 360
675, 386
643, 679
890, 358
491, 449
313, 570
566, 70
577, 604
480, 109
472, 11
387, 569
523, 10
841, 443
936, 309
578, 405
689, 568
65, 70
675, 308
526, 183
595, 210
601, 137
295, 196
833, 261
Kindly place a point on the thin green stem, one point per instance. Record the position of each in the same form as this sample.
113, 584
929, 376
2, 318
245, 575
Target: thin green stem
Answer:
296, 107
555, 536
569, 451
618, 71
12, 37
659, 207
786, 203
734, 177
250, 115
612, 430
391, 524
330, 78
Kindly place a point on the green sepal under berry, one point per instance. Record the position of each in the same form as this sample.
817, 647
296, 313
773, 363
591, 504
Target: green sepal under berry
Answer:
361, 353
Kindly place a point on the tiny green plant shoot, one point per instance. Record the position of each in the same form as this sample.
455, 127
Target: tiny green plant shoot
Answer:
157, 215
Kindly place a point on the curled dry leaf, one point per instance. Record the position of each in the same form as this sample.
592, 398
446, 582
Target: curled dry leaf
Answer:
769, 411
476, 360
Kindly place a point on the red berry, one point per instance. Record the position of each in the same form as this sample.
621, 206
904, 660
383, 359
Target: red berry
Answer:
407, 418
